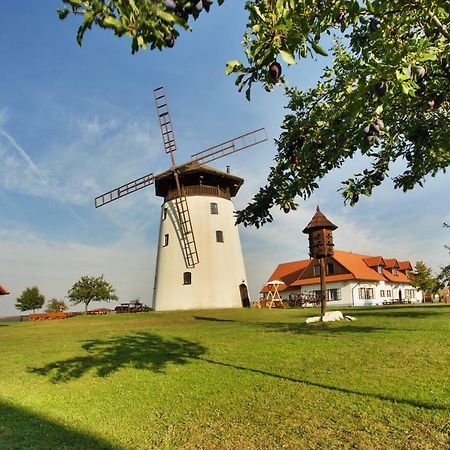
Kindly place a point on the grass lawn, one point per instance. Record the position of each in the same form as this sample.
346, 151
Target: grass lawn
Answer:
234, 379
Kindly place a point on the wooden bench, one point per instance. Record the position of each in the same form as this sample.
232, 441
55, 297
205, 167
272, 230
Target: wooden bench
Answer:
396, 302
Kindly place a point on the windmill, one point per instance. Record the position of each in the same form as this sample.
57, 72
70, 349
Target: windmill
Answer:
192, 271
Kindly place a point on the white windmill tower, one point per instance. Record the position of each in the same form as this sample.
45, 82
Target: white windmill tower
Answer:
199, 263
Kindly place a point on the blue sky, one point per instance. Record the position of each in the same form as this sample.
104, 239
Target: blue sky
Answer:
76, 122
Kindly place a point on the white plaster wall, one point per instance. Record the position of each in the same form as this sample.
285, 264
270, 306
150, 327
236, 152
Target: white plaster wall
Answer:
216, 279
342, 285
350, 292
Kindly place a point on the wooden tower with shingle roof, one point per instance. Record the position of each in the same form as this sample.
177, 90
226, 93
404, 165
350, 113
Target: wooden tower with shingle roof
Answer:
320, 236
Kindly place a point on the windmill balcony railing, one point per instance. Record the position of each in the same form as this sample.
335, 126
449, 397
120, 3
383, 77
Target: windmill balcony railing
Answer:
200, 190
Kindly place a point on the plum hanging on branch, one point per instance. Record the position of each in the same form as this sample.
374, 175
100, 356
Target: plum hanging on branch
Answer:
147, 22
385, 94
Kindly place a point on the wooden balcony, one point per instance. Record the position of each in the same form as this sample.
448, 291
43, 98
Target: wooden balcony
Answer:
200, 190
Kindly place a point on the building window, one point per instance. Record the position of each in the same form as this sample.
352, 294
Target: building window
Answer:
394, 271
365, 293
214, 208
330, 269
409, 293
382, 293
187, 278
164, 216
166, 240
334, 295
219, 236
389, 293
317, 271
380, 269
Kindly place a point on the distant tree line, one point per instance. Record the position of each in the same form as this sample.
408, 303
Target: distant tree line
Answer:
86, 290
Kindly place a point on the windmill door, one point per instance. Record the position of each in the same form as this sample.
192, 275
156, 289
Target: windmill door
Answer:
244, 295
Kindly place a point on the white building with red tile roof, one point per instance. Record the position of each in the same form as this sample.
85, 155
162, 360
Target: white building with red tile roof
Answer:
352, 279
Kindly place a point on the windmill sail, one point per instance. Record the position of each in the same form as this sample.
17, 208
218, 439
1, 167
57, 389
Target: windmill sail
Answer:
188, 245
132, 186
232, 146
186, 232
165, 123
218, 151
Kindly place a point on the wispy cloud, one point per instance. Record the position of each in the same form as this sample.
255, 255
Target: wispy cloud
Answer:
96, 157
3, 117
36, 173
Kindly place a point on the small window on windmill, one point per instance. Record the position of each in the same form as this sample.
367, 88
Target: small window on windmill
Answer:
219, 236
166, 240
164, 214
214, 208
187, 278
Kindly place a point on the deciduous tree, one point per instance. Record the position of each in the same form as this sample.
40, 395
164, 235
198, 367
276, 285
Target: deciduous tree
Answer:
30, 299
385, 94
56, 305
91, 289
444, 275
149, 23
424, 279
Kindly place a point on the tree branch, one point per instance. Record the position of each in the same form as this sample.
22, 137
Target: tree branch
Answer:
441, 27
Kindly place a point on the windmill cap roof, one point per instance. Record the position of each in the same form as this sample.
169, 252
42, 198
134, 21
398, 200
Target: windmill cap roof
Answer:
192, 174
319, 221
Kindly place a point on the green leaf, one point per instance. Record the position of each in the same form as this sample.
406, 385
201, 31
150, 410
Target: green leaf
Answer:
62, 13
168, 17
233, 66
369, 6
318, 49
428, 57
112, 22
141, 42
287, 56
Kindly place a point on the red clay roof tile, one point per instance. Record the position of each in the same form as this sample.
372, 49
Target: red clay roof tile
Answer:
359, 267
404, 265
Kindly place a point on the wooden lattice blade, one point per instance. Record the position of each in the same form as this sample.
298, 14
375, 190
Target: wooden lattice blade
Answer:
232, 146
165, 123
126, 189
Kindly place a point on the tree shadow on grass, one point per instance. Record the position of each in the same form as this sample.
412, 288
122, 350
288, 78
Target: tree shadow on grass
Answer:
320, 328
418, 311
22, 429
409, 402
302, 327
212, 319
145, 351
